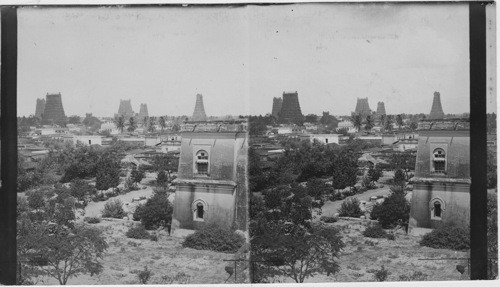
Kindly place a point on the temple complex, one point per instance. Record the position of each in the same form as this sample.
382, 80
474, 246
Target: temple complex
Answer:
441, 184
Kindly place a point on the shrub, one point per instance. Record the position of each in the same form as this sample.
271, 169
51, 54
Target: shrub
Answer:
113, 209
137, 174
366, 182
215, 238
375, 231
130, 184
350, 208
375, 173
153, 237
393, 211
92, 220
447, 237
391, 236
415, 276
328, 219
144, 275
399, 177
381, 274
138, 232
157, 212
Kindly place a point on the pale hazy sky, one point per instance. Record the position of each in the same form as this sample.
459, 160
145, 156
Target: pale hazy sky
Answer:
239, 58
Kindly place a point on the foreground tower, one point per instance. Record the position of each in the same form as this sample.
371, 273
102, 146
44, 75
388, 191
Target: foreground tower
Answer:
362, 107
54, 111
125, 109
290, 109
441, 186
143, 112
211, 185
40, 108
277, 104
437, 109
199, 110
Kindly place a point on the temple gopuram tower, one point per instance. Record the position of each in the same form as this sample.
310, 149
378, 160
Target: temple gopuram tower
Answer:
277, 104
380, 109
290, 109
54, 111
40, 108
125, 109
143, 112
436, 110
199, 110
362, 107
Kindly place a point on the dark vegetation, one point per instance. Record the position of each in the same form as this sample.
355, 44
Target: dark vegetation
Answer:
216, 238
138, 232
394, 211
448, 237
350, 208
156, 212
375, 231
113, 209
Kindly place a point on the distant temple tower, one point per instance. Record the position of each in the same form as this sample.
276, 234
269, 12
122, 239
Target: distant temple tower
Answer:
362, 107
125, 109
441, 186
143, 112
437, 109
277, 104
199, 110
290, 108
54, 111
40, 108
380, 109
211, 186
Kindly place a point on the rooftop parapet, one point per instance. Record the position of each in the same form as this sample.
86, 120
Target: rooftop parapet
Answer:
460, 124
215, 127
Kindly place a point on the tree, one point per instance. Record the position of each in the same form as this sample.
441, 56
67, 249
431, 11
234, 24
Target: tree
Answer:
405, 161
81, 190
382, 120
369, 123
413, 126
162, 179
162, 123
176, 127
74, 120
345, 168
357, 121
132, 125
399, 177
374, 173
145, 121
108, 171
399, 121
311, 118
388, 123
151, 126
120, 123
156, 212
395, 210
137, 174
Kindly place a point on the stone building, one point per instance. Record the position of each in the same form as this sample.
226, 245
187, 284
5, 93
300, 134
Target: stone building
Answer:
290, 108
40, 108
441, 184
277, 104
211, 186
53, 112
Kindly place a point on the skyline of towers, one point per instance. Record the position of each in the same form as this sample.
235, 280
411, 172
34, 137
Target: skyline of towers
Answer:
199, 110
125, 109
277, 104
436, 109
40, 108
53, 111
143, 111
362, 107
381, 109
290, 108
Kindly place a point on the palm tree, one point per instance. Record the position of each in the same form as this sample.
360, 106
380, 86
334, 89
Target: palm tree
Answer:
369, 123
388, 123
151, 127
120, 123
145, 121
357, 121
399, 121
163, 123
382, 120
132, 125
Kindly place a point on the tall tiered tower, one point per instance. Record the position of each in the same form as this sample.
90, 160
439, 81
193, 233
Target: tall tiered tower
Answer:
54, 111
125, 109
362, 107
143, 112
436, 110
40, 108
290, 109
199, 110
277, 104
380, 109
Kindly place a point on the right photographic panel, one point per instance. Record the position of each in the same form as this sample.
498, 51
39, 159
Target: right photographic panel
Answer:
360, 142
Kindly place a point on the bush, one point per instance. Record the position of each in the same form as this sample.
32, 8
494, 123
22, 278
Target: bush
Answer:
215, 238
381, 274
366, 182
393, 211
138, 232
144, 275
447, 237
92, 220
328, 219
399, 177
137, 174
375, 231
415, 276
350, 208
391, 236
130, 184
113, 209
157, 212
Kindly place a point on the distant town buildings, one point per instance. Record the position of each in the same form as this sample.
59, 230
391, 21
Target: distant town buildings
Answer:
441, 186
199, 110
211, 181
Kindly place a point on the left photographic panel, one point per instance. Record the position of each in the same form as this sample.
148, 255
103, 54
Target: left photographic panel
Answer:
132, 145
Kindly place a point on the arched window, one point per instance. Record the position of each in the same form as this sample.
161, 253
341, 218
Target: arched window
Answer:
202, 163
437, 207
439, 161
200, 210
